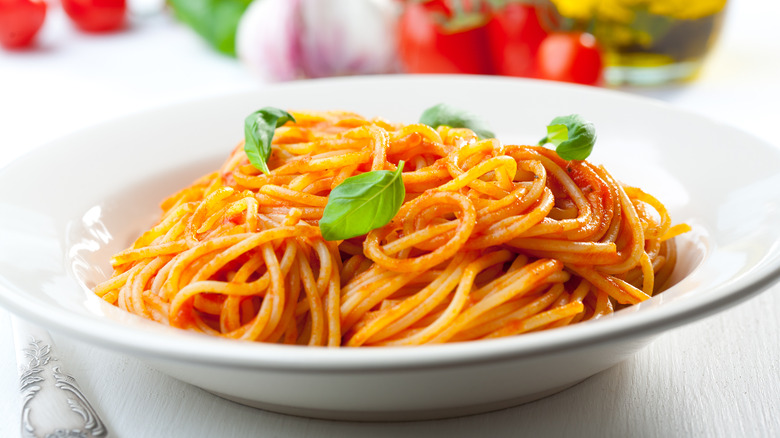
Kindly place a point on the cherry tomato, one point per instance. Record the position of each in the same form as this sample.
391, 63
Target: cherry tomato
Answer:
434, 40
20, 21
570, 57
96, 15
515, 34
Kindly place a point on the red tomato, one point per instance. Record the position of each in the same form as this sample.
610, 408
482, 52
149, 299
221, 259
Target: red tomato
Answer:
515, 34
448, 7
436, 6
570, 57
430, 41
96, 15
20, 21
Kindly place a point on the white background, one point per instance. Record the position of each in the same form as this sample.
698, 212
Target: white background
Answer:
716, 377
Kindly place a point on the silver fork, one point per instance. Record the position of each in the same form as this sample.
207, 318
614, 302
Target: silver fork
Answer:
53, 406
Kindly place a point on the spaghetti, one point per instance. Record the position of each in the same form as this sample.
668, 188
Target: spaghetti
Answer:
491, 240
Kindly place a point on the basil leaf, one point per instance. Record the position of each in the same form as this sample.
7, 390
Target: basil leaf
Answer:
572, 136
215, 21
362, 203
259, 132
447, 115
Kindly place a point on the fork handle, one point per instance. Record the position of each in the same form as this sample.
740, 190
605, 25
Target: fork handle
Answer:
53, 406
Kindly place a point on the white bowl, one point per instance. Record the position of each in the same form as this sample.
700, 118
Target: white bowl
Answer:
67, 206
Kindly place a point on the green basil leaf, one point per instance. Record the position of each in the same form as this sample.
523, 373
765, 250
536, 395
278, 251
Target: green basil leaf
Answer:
572, 136
259, 130
215, 21
447, 115
363, 203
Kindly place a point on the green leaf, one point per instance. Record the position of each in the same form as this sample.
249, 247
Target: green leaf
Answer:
363, 203
447, 115
214, 20
259, 130
572, 136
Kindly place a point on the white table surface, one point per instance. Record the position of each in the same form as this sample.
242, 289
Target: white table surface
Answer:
716, 377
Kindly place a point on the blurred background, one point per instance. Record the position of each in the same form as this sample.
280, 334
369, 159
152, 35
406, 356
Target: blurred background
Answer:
594, 42
66, 65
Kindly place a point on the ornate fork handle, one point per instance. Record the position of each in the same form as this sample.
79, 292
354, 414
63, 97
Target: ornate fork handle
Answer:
53, 406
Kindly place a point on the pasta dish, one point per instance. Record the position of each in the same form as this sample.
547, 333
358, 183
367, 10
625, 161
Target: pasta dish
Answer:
482, 240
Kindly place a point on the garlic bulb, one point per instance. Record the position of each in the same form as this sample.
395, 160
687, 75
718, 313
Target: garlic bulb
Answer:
267, 39
282, 40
